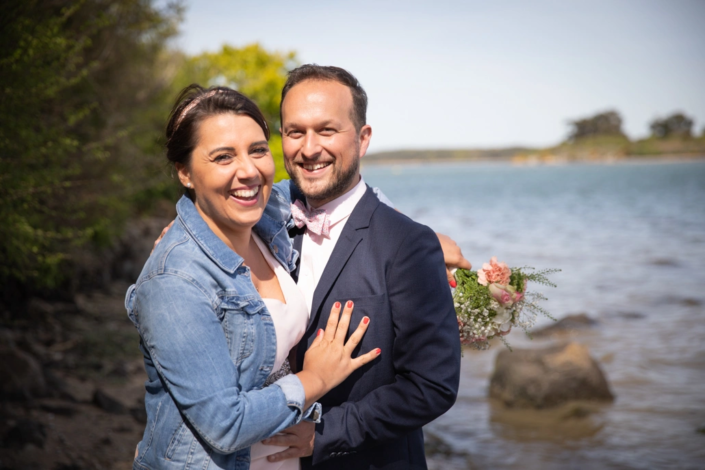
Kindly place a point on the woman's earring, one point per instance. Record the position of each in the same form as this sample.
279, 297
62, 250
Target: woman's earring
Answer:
188, 185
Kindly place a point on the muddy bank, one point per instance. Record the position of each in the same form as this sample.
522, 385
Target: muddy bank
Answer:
81, 405
72, 394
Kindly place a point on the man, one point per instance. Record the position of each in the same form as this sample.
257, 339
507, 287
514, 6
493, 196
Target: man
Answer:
390, 267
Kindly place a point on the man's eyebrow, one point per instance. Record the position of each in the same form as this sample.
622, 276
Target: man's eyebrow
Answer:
327, 122
221, 149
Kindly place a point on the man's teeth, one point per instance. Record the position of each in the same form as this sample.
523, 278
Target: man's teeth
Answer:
315, 166
246, 193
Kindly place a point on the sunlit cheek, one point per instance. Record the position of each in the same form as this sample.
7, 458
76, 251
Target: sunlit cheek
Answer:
290, 148
267, 169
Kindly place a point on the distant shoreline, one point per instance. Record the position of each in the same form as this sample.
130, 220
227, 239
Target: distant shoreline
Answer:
659, 158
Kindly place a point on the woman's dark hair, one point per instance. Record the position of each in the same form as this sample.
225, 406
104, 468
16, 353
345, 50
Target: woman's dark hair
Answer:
333, 74
196, 103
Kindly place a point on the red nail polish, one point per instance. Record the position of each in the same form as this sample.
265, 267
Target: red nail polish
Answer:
337, 305
349, 304
453, 284
320, 332
378, 351
366, 320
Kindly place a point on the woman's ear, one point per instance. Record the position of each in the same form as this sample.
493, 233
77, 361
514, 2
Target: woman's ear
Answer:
184, 175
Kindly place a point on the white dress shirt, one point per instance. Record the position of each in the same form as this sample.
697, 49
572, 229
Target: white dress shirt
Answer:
316, 249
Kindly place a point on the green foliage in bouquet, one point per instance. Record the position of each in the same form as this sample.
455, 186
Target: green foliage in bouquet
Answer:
519, 279
470, 290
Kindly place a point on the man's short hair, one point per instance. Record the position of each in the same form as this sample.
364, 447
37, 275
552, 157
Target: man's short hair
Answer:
335, 74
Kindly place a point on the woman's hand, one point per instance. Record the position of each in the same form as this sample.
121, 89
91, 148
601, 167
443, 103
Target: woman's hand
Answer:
453, 257
328, 361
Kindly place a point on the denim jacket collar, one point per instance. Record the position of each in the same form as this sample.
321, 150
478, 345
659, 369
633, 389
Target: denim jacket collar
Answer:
214, 247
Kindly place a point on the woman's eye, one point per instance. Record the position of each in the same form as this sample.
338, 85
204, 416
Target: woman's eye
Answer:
259, 151
222, 158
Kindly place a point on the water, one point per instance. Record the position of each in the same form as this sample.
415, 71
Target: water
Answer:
630, 239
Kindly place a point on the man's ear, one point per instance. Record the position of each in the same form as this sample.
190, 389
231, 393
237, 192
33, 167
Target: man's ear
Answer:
365, 136
184, 174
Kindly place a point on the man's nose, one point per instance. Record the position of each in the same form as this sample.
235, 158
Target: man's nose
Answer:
311, 146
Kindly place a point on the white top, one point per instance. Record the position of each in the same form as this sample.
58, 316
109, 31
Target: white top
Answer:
316, 249
290, 320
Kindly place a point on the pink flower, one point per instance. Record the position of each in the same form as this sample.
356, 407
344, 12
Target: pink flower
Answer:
494, 272
505, 295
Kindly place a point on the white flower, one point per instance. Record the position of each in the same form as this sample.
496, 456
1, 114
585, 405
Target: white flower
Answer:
503, 316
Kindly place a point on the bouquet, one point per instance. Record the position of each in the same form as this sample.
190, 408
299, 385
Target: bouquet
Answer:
492, 300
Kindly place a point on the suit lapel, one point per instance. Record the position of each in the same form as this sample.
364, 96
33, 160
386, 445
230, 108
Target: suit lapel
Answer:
353, 233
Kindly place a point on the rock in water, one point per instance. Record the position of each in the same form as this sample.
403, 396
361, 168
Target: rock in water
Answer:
564, 325
543, 378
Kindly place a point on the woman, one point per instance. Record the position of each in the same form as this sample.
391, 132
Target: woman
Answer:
215, 307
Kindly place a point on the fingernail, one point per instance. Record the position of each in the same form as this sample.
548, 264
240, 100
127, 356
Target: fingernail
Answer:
453, 284
366, 320
349, 304
337, 305
320, 332
378, 351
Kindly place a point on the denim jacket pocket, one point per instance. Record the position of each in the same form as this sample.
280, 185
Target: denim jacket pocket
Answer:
251, 305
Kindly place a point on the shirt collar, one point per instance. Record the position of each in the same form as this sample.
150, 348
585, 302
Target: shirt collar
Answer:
341, 207
209, 242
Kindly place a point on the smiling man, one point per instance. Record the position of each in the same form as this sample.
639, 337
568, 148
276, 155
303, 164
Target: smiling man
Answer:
355, 248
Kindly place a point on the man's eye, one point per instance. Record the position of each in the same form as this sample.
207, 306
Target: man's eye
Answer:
294, 134
327, 131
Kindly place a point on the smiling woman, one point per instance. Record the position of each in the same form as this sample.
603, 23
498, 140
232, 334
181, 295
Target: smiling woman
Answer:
231, 171
215, 307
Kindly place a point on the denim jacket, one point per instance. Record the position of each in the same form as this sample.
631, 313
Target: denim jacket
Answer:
209, 345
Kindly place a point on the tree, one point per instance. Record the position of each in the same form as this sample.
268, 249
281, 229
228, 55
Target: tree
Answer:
252, 70
675, 125
608, 123
79, 83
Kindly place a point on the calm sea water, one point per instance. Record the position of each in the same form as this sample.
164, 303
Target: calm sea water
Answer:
630, 239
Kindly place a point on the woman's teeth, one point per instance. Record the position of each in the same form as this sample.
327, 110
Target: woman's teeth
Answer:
316, 166
245, 193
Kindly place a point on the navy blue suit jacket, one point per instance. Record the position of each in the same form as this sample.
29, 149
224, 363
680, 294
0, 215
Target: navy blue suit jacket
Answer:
393, 269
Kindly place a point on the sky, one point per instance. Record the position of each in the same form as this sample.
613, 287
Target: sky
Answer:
480, 74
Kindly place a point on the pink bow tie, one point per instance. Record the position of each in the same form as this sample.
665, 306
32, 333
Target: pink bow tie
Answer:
317, 221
